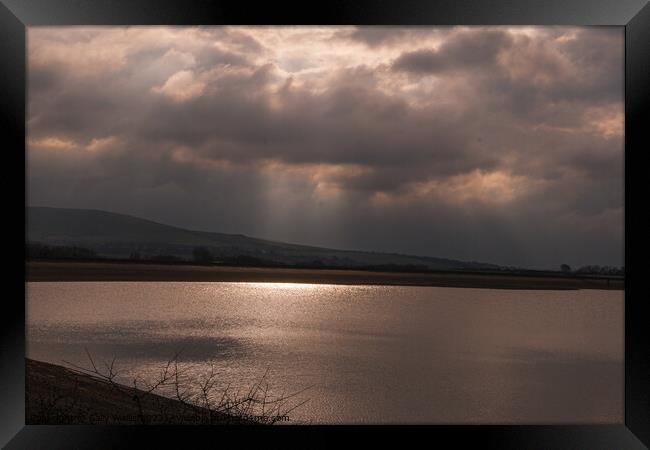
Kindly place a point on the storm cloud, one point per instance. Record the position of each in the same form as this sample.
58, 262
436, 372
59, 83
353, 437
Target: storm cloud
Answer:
494, 144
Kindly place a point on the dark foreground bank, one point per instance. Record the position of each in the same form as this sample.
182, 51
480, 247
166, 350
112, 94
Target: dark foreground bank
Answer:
124, 271
56, 395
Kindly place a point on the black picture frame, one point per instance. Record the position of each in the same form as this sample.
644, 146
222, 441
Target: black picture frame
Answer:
634, 15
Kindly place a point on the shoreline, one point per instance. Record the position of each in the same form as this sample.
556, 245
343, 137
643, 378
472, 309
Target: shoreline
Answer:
57, 395
37, 271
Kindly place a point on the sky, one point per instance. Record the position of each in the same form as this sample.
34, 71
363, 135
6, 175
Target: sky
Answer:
493, 144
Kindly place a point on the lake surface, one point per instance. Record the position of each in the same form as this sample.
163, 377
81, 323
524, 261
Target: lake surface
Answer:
369, 354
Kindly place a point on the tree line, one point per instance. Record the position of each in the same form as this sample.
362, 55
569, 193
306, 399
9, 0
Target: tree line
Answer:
594, 270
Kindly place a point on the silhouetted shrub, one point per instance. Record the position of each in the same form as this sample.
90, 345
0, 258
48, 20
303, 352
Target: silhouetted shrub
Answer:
201, 255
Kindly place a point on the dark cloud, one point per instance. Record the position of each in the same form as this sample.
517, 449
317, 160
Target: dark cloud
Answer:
378, 36
486, 144
465, 50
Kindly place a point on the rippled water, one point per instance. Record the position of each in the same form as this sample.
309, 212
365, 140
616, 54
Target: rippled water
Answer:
372, 354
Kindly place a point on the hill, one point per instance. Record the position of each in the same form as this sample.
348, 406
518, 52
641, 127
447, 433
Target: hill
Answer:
120, 236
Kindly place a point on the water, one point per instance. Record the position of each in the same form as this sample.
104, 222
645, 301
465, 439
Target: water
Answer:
371, 354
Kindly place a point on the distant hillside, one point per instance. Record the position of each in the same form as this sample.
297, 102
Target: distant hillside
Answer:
120, 236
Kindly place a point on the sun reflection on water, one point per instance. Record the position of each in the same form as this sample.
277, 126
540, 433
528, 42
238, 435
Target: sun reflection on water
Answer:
275, 285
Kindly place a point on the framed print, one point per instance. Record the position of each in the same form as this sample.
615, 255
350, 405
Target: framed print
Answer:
283, 221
